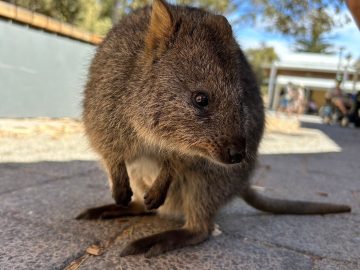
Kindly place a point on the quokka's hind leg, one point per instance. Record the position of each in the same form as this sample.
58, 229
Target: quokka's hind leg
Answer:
162, 242
195, 231
111, 211
198, 217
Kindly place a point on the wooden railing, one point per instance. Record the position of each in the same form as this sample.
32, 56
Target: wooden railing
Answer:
46, 23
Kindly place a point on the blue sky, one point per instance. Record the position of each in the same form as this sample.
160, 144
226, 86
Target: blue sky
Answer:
249, 36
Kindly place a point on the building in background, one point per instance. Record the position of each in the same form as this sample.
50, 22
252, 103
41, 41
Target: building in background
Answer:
315, 72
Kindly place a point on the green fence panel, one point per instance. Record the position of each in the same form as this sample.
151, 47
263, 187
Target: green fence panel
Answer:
41, 74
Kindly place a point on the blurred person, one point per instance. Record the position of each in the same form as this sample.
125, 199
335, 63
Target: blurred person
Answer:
283, 100
291, 95
299, 103
337, 105
327, 110
312, 107
354, 116
340, 101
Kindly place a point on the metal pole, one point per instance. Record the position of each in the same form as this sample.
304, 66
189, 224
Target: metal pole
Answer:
355, 79
339, 62
346, 75
271, 88
346, 71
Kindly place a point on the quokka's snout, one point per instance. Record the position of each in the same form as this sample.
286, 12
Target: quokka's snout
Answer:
234, 152
226, 152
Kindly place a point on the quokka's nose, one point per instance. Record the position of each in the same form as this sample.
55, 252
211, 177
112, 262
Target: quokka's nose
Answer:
237, 152
235, 156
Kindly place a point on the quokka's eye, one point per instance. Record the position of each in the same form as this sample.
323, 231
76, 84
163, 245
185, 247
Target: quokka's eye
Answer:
200, 99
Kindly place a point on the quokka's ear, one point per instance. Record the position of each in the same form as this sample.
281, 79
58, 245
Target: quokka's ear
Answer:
160, 27
222, 26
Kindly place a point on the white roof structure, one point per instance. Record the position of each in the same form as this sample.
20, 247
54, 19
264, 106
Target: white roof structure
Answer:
314, 82
314, 62
311, 70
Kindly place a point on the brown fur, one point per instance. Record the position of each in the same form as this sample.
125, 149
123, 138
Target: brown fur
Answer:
140, 116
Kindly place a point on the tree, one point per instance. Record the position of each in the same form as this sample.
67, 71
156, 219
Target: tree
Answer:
307, 21
64, 10
291, 17
86, 14
258, 57
313, 39
92, 17
118, 8
97, 15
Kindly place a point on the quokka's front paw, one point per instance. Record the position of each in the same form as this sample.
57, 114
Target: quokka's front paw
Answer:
122, 195
153, 199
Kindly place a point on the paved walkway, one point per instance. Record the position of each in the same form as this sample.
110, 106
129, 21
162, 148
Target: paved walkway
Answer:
46, 181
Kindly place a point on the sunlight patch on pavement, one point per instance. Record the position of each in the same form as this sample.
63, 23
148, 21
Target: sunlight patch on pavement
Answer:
75, 147
44, 148
302, 141
36, 140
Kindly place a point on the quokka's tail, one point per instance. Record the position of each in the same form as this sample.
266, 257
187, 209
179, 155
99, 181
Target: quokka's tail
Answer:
280, 206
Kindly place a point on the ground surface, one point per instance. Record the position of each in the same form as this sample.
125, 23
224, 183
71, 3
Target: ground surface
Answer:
48, 175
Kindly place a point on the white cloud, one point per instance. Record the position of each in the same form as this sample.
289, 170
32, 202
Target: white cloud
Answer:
249, 43
282, 47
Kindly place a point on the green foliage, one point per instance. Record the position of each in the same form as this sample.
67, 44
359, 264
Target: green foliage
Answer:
86, 14
258, 57
97, 15
121, 7
307, 21
292, 17
313, 39
91, 17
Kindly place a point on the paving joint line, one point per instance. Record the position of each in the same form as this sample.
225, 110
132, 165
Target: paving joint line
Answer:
55, 179
103, 247
49, 226
296, 250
